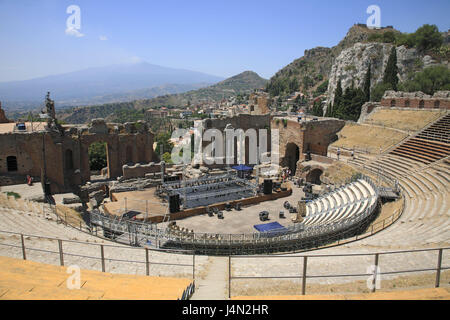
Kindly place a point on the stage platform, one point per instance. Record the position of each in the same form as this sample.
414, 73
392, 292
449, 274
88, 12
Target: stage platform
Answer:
145, 203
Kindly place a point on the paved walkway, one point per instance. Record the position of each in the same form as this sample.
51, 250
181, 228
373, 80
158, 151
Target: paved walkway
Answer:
215, 285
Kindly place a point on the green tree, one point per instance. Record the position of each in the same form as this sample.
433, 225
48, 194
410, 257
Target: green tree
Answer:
427, 37
367, 83
167, 158
317, 108
97, 156
321, 89
391, 71
379, 90
337, 99
293, 85
329, 111
429, 81
163, 143
348, 105
307, 82
388, 37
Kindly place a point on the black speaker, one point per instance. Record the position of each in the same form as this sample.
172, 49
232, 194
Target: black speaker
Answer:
268, 186
174, 203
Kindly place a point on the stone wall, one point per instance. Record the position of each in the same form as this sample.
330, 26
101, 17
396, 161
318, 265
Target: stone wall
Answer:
416, 100
140, 170
366, 110
244, 122
258, 103
311, 136
63, 155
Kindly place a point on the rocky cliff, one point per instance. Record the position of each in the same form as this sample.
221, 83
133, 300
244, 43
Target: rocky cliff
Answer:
352, 64
315, 66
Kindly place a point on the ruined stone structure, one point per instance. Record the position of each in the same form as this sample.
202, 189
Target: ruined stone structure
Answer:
297, 139
367, 109
244, 122
417, 100
138, 170
258, 103
3, 118
155, 114
61, 158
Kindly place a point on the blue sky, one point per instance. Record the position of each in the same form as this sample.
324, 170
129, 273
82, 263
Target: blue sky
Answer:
217, 37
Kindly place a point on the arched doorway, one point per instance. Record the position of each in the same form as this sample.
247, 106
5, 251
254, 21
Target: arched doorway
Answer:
291, 157
314, 176
98, 159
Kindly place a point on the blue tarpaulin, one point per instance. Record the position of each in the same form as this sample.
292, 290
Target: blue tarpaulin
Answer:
241, 167
270, 227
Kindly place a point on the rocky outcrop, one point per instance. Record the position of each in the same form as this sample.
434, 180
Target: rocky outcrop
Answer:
316, 63
352, 64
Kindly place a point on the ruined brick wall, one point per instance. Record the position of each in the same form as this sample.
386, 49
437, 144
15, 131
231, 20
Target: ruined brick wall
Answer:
312, 136
32, 151
140, 170
258, 104
416, 100
320, 134
244, 122
64, 155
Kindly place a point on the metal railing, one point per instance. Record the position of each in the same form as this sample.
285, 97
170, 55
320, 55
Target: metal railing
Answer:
291, 239
114, 251
304, 275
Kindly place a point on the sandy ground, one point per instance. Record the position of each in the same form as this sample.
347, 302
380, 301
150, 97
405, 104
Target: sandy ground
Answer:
365, 137
408, 120
260, 287
25, 191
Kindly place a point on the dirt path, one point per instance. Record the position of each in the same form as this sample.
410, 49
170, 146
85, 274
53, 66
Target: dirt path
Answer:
215, 284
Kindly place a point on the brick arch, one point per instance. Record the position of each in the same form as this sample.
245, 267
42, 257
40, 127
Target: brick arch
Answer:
313, 173
421, 104
291, 156
111, 150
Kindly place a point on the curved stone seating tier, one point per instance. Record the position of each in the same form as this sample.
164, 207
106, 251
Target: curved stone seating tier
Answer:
425, 219
343, 203
429, 145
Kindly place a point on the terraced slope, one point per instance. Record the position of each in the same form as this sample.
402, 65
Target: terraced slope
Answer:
429, 145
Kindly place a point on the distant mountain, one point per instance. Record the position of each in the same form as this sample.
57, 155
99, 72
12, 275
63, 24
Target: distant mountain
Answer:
104, 84
242, 83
